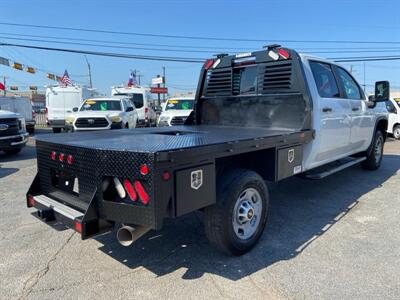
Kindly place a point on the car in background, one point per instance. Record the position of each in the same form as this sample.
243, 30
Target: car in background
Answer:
141, 98
102, 114
61, 99
21, 106
13, 135
175, 111
393, 108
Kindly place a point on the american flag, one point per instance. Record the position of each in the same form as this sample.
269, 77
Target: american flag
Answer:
65, 81
132, 79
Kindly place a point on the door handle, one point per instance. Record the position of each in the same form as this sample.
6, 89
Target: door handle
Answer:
327, 109
355, 108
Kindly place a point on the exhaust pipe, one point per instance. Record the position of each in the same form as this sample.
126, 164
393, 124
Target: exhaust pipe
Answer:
126, 235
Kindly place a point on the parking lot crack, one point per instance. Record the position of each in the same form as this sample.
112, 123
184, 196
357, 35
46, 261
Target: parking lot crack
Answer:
32, 281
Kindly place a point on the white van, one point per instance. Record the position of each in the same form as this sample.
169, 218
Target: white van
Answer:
393, 107
22, 106
141, 98
60, 100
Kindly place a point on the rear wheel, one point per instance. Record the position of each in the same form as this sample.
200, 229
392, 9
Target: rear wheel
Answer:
235, 223
56, 130
374, 158
396, 132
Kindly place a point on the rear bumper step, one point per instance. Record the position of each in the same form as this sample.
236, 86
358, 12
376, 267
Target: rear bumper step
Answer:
58, 207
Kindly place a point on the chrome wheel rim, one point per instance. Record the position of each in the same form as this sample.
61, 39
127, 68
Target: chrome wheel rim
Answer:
378, 149
247, 213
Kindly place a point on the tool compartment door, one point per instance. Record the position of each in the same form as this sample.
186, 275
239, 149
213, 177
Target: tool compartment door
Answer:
195, 188
289, 161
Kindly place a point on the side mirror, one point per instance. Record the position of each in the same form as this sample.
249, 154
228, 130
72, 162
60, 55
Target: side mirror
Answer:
128, 109
382, 91
75, 109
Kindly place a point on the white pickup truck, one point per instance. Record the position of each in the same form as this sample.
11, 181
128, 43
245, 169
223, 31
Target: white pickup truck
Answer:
258, 116
102, 114
175, 111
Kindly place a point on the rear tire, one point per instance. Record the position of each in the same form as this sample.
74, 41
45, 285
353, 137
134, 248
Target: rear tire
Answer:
235, 223
374, 158
56, 130
13, 151
31, 130
396, 132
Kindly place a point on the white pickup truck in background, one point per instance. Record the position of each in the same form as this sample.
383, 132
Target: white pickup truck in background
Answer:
175, 111
102, 114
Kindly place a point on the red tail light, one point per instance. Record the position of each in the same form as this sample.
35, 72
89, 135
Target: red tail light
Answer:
78, 226
166, 175
70, 159
53, 155
146, 110
208, 64
130, 190
61, 157
31, 201
144, 169
144, 197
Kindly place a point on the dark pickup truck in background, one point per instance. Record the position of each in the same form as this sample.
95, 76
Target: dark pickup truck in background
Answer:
266, 115
13, 135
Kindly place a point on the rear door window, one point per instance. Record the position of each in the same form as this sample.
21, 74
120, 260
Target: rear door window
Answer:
325, 80
350, 87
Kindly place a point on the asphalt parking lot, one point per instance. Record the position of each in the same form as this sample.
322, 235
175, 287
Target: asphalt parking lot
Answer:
334, 238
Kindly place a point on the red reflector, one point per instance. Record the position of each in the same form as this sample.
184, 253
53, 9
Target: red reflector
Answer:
31, 201
146, 110
53, 155
78, 226
61, 157
70, 159
130, 190
144, 197
166, 175
283, 53
208, 64
144, 169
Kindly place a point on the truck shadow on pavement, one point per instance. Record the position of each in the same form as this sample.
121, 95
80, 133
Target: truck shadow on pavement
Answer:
301, 211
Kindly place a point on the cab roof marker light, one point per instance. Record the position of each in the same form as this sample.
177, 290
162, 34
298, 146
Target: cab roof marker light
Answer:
217, 62
208, 64
120, 189
273, 54
283, 53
